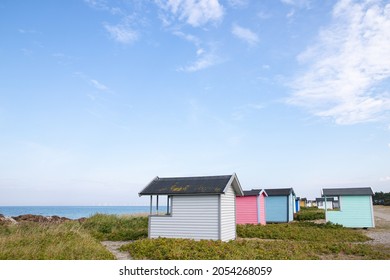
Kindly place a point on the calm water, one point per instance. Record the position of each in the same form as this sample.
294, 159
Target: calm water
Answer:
71, 212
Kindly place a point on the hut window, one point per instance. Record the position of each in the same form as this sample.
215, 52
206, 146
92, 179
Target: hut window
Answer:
336, 203
169, 205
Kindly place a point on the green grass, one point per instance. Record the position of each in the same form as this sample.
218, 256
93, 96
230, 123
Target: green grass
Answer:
185, 249
302, 231
298, 241
72, 240
310, 214
117, 228
32, 241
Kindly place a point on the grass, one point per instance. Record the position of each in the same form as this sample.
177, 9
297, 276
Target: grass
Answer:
33, 241
185, 249
117, 228
302, 231
310, 214
72, 240
297, 241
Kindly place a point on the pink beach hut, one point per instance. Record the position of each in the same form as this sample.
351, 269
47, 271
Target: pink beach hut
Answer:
250, 208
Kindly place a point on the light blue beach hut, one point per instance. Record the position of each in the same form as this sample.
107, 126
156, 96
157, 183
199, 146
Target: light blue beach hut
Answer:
355, 208
279, 205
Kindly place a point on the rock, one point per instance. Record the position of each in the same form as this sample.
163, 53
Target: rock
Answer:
40, 219
6, 220
81, 220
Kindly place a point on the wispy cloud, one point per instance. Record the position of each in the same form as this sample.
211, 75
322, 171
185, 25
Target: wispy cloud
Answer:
122, 33
103, 5
245, 34
26, 31
238, 3
205, 55
193, 12
349, 66
297, 3
96, 84
204, 60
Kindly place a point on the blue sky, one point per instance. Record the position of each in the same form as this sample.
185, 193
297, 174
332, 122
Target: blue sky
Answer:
99, 97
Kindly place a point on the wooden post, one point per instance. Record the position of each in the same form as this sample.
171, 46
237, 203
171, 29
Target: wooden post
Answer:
157, 205
151, 202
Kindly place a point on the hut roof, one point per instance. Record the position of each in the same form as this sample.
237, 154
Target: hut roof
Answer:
280, 192
192, 185
254, 192
347, 191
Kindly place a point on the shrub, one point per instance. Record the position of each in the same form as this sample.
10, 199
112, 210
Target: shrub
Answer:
309, 214
186, 249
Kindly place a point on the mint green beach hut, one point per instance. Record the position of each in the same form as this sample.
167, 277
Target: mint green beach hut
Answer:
355, 208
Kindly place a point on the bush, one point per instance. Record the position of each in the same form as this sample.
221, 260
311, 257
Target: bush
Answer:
302, 231
186, 249
310, 214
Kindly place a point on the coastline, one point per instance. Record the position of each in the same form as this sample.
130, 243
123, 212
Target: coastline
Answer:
71, 212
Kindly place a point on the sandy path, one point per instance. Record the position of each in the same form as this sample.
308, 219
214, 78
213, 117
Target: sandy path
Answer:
381, 233
113, 247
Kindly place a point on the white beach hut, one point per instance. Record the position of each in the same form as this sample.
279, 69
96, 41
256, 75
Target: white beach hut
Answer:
196, 207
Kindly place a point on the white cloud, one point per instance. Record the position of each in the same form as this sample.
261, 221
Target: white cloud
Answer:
349, 66
122, 33
99, 85
206, 57
245, 34
204, 60
194, 12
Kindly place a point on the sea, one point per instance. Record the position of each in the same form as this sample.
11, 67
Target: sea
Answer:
71, 212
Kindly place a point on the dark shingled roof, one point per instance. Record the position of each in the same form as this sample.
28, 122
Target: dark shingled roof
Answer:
187, 185
252, 192
279, 192
347, 191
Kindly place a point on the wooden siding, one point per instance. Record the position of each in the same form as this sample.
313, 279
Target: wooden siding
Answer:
194, 217
355, 212
228, 215
262, 209
276, 209
291, 207
247, 209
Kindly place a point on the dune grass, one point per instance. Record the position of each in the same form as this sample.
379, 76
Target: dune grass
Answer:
33, 241
117, 228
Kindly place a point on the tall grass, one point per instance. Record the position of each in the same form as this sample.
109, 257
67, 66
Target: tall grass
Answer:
33, 241
117, 228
